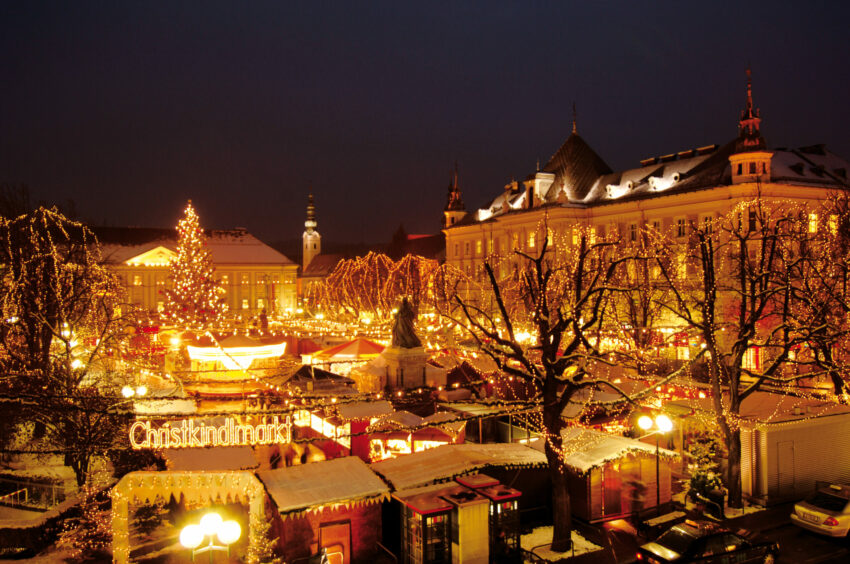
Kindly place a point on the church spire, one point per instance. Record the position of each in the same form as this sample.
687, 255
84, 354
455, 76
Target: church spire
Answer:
575, 130
749, 132
311, 240
455, 208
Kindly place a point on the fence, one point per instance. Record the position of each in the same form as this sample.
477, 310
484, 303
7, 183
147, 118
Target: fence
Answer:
30, 495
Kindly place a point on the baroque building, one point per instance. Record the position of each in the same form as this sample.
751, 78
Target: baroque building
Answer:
255, 276
670, 193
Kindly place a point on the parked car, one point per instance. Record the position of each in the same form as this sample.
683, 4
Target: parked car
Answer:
700, 541
827, 511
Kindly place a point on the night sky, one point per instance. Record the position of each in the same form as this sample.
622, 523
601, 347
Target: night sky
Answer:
131, 108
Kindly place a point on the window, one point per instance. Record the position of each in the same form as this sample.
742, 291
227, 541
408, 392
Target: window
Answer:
707, 225
261, 303
752, 168
681, 227
498, 245
490, 246
531, 239
592, 236
225, 279
245, 303
656, 226
276, 279
160, 306
515, 240
246, 279
550, 237
457, 250
575, 236
633, 232
478, 247
813, 223
137, 280
833, 224
752, 219
160, 281
740, 169
466, 248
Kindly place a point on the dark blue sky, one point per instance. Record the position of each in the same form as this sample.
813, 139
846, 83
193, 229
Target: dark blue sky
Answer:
130, 108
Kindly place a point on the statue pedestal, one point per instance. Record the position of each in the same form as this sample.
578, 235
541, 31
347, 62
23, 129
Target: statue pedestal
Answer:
405, 367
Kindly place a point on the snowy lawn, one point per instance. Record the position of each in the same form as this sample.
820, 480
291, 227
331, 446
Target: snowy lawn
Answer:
538, 541
729, 512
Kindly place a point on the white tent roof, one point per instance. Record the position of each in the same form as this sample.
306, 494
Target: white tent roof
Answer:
341, 480
365, 409
589, 448
447, 461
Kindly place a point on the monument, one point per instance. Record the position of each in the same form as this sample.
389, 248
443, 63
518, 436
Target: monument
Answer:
406, 357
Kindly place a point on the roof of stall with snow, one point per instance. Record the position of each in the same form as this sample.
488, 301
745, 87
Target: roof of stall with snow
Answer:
588, 448
364, 409
340, 480
447, 461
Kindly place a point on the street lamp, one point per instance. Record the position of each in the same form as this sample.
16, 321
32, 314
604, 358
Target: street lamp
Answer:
211, 525
662, 425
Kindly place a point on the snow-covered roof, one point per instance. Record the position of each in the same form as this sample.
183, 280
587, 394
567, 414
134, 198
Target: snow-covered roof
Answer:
236, 246
588, 448
217, 458
364, 409
447, 461
765, 408
313, 485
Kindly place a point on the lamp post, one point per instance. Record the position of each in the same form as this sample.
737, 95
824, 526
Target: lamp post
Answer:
659, 426
211, 526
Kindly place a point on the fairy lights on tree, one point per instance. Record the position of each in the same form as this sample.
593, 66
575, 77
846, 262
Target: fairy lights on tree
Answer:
547, 317
196, 298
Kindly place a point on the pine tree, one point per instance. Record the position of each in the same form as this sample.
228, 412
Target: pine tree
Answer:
89, 536
262, 549
195, 298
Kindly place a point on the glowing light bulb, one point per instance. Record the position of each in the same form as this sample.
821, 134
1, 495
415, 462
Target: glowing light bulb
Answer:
229, 532
664, 423
645, 422
210, 523
191, 536
127, 391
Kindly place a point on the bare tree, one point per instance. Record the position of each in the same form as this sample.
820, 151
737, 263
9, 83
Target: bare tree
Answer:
565, 299
735, 281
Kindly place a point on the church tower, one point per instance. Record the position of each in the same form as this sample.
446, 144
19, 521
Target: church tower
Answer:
751, 159
454, 209
312, 241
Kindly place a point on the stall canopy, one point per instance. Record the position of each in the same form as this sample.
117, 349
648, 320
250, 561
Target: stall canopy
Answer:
358, 349
586, 449
311, 487
449, 461
218, 459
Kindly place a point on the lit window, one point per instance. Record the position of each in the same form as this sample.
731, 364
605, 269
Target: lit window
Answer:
550, 237
833, 224
245, 303
515, 240
137, 280
813, 223
160, 306
478, 246
246, 279
681, 227
261, 303
592, 235
531, 240
225, 279
490, 246
575, 236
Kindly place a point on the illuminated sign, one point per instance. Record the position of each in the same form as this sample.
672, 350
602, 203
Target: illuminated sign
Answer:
187, 434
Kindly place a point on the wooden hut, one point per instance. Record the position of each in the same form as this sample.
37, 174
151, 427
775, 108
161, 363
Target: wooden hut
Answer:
611, 477
331, 505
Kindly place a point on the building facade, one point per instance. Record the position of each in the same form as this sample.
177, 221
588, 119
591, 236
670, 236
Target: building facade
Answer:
255, 276
670, 193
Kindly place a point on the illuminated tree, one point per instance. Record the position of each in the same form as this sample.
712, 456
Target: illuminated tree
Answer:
738, 280
89, 535
61, 333
564, 299
196, 298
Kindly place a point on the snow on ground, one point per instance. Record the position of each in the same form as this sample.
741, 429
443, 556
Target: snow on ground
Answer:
729, 512
15, 513
538, 541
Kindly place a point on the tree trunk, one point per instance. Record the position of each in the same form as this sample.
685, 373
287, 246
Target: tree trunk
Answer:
561, 508
733, 470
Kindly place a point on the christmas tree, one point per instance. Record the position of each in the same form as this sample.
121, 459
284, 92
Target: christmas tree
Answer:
196, 299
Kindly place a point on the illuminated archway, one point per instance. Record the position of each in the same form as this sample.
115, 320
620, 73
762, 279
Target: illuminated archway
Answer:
197, 487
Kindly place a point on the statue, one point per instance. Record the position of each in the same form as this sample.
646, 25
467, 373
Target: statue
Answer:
404, 335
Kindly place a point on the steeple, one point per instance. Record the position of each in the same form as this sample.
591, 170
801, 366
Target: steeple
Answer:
749, 133
312, 241
455, 209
